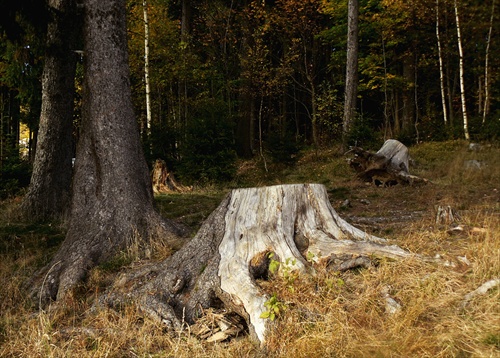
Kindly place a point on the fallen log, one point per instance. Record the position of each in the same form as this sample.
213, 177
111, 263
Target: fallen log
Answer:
389, 166
221, 266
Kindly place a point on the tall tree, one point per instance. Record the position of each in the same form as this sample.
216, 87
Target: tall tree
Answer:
441, 71
112, 202
462, 80
49, 191
351, 80
487, 66
146, 68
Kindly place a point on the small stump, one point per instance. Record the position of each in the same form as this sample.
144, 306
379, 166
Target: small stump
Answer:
389, 166
164, 181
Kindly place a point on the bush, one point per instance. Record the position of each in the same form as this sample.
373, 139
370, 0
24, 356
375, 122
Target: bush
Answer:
283, 148
489, 131
15, 174
363, 135
207, 153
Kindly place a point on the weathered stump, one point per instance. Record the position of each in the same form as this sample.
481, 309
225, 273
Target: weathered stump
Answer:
389, 166
164, 181
219, 266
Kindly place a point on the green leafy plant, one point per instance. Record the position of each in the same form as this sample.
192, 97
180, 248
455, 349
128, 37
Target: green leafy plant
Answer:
310, 256
274, 308
274, 265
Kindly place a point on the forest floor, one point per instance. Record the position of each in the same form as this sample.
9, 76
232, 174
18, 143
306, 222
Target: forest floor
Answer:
331, 314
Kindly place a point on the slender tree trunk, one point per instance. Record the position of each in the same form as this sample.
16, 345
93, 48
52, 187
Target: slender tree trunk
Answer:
351, 81
408, 95
112, 203
146, 68
49, 191
441, 72
386, 110
462, 80
261, 148
185, 19
486, 107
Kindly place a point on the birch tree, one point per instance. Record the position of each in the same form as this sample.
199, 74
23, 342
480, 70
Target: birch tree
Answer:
462, 84
441, 71
146, 68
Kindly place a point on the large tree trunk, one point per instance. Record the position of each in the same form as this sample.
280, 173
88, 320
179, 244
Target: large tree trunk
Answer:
48, 195
112, 204
220, 267
389, 166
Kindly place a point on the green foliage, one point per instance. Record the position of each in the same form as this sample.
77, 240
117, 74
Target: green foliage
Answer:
433, 129
283, 147
15, 174
488, 131
207, 154
274, 265
363, 135
274, 308
493, 339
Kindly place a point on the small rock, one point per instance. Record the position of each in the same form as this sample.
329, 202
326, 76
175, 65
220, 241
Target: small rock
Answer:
464, 260
392, 306
475, 147
473, 164
365, 201
345, 204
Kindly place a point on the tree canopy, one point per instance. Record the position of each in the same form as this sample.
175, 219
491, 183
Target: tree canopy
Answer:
270, 76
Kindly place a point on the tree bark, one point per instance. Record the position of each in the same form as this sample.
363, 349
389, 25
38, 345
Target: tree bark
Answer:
351, 80
112, 203
146, 68
164, 181
462, 79
48, 194
486, 108
389, 166
441, 71
222, 265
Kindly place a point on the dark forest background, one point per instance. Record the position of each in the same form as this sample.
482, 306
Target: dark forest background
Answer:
234, 79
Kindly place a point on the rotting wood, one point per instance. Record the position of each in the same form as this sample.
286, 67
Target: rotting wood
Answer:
481, 290
220, 266
164, 181
446, 215
389, 166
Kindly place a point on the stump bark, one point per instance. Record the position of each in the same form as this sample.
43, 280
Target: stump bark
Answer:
164, 181
389, 166
218, 268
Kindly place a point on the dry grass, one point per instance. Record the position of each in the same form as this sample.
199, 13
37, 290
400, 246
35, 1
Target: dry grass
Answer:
329, 315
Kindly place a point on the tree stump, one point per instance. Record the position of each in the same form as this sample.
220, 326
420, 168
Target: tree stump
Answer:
389, 166
164, 181
220, 265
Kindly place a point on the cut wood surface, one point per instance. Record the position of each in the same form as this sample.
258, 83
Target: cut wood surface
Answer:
389, 166
293, 224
